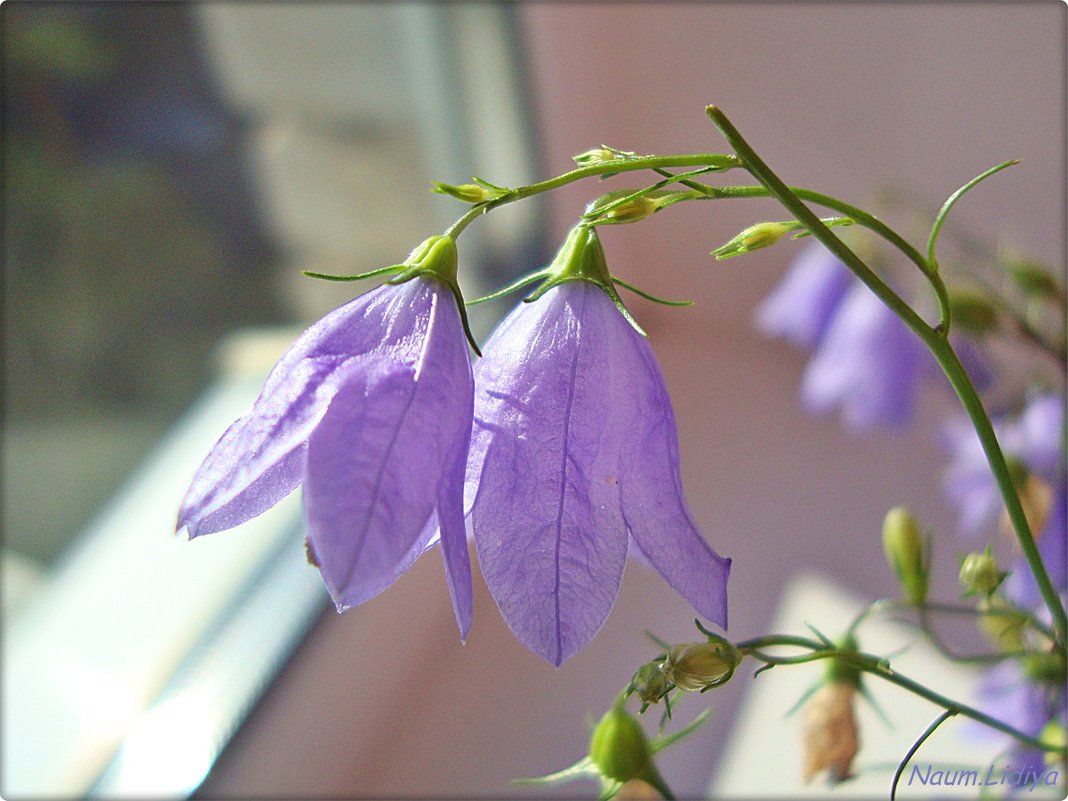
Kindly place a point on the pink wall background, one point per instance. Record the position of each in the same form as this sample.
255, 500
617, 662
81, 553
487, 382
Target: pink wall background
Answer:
845, 98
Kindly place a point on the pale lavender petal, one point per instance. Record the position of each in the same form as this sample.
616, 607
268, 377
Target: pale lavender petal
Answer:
650, 484
1041, 433
366, 496
450, 518
258, 461
967, 480
546, 518
377, 460
801, 306
257, 497
868, 364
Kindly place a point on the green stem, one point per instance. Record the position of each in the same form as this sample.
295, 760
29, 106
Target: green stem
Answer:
916, 747
869, 663
937, 343
891, 605
717, 161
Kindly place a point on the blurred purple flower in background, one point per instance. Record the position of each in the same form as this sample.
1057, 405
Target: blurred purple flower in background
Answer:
574, 455
371, 410
1033, 440
867, 363
802, 305
1028, 706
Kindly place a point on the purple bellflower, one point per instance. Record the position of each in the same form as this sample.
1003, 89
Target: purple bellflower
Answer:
868, 363
802, 305
370, 410
1033, 439
574, 460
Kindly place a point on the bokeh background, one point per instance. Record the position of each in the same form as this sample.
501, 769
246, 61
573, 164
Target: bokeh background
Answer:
169, 170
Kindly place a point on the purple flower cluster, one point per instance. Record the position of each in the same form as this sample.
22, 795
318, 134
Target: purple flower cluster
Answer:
563, 441
866, 361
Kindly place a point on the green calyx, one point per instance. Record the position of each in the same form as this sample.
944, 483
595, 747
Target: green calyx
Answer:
840, 670
580, 258
435, 257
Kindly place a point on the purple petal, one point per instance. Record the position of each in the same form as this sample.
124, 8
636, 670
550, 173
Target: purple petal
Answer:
376, 467
650, 485
967, 480
868, 363
259, 460
546, 516
450, 519
1041, 434
801, 306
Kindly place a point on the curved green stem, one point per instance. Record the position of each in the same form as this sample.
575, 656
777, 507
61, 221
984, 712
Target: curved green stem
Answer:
892, 605
935, 340
714, 161
875, 666
916, 747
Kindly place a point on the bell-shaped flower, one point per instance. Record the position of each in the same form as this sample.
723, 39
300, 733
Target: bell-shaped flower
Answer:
868, 364
801, 307
575, 459
1032, 440
370, 409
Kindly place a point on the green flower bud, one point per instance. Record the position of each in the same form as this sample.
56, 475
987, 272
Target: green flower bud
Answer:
1045, 668
907, 551
618, 748
1053, 734
761, 235
972, 312
470, 193
599, 155
700, 666
1035, 280
979, 574
1002, 626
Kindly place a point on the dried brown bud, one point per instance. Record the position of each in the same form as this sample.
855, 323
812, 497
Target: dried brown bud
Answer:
830, 733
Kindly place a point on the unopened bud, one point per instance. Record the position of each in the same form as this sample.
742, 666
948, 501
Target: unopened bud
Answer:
972, 312
979, 574
1053, 734
1035, 280
755, 237
1002, 625
907, 552
470, 193
1045, 668
650, 682
598, 155
618, 747
700, 666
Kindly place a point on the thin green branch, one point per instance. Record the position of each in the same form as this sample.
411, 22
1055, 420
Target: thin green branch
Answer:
877, 666
937, 343
916, 747
940, 218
